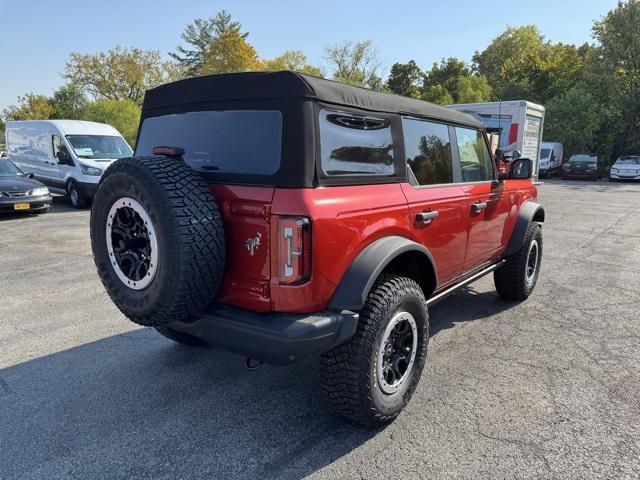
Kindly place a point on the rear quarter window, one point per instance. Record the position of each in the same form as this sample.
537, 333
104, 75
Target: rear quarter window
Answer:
352, 145
230, 141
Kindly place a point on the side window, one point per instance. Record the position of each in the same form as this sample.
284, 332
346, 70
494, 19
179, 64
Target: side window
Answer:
355, 145
428, 151
475, 160
58, 145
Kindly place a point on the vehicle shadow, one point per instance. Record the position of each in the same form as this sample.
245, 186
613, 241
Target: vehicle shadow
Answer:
466, 305
137, 405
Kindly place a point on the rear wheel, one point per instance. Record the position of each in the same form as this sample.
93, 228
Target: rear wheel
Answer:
157, 239
372, 377
517, 278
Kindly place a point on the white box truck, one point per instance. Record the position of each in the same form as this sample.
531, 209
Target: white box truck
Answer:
69, 156
518, 125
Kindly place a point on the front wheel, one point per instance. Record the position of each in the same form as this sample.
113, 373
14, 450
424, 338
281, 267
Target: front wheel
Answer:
372, 377
517, 278
76, 197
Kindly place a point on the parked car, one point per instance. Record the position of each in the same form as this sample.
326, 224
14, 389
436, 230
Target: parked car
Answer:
69, 156
582, 166
19, 192
625, 168
281, 216
551, 156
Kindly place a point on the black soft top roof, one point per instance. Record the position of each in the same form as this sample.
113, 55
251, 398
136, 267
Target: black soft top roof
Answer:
284, 85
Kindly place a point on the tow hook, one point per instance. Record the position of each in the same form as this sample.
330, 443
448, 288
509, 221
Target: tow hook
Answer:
253, 364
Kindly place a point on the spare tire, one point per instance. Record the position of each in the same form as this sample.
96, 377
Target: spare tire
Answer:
158, 240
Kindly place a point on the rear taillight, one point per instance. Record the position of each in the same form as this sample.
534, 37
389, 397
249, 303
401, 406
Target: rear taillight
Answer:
294, 243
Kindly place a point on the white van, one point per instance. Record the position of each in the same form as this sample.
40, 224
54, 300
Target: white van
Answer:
68, 156
551, 157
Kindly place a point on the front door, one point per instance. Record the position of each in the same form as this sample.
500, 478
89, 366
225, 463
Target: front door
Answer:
437, 206
488, 204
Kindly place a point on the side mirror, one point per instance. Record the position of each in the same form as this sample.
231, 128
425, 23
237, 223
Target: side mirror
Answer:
521, 169
30, 175
63, 157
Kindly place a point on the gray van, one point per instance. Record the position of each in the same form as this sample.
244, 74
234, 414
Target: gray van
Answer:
69, 156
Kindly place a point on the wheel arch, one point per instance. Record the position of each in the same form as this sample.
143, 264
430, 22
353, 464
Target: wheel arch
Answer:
394, 254
529, 212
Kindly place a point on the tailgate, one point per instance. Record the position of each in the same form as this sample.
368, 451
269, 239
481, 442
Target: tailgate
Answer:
245, 215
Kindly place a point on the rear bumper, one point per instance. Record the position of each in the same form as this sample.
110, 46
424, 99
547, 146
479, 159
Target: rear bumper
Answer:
276, 338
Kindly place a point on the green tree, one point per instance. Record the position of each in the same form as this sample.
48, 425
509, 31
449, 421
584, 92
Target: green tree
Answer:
199, 37
118, 74
473, 89
573, 119
405, 79
618, 34
294, 60
511, 63
230, 52
68, 102
437, 94
30, 107
452, 81
124, 115
355, 64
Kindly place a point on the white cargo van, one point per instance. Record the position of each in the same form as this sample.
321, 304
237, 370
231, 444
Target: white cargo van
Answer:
68, 156
551, 157
518, 124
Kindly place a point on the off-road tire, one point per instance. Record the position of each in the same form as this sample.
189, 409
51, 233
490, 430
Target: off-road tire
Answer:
76, 197
189, 233
348, 375
511, 279
181, 337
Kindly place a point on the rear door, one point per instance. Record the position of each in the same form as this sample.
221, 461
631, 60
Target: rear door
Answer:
488, 203
437, 206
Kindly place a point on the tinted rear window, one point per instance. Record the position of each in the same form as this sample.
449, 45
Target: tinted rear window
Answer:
355, 145
231, 141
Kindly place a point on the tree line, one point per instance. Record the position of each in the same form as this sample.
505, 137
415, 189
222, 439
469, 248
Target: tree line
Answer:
591, 91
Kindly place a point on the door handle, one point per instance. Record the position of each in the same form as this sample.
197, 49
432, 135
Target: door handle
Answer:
427, 217
478, 207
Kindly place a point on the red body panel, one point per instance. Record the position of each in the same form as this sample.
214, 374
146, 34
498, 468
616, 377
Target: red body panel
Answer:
344, 220
246, 213
445, 236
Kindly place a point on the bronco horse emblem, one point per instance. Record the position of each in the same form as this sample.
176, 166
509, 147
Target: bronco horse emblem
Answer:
252, 244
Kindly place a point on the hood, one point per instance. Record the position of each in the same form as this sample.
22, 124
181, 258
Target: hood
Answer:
18, 184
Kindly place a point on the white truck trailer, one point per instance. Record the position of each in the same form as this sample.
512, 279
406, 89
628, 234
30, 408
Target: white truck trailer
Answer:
517, 124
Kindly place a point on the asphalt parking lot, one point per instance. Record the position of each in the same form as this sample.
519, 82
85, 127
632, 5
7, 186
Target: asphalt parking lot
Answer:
549, 388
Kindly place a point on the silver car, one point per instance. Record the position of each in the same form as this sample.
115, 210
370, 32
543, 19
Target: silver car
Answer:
625, 168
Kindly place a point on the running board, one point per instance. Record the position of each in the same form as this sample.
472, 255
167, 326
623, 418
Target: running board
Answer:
445, 293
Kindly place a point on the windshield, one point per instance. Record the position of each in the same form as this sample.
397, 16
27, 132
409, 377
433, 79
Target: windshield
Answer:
629, 160
8, 169
545, 153
583, 158
97, 147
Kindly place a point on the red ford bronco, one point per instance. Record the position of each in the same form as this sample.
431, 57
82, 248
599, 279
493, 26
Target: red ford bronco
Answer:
280, 216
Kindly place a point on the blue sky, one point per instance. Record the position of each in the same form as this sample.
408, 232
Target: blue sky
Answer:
36, 37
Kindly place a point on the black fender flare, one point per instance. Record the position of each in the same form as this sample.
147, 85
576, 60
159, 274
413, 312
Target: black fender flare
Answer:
356, 283
529, 212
